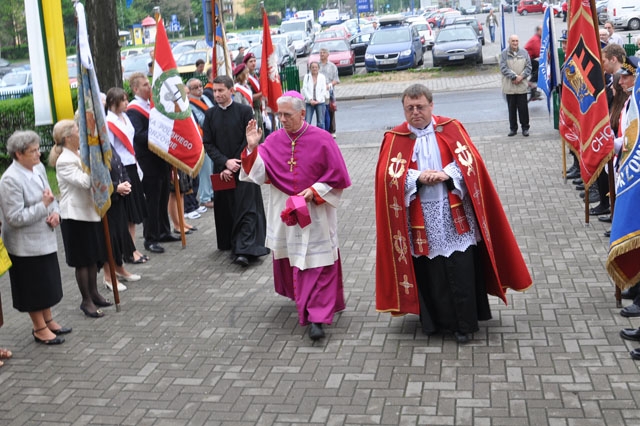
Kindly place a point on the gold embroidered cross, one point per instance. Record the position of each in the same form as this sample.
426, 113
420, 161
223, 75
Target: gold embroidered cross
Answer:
406, 284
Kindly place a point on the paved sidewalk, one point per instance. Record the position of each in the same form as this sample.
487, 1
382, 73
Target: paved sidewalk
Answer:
201, 341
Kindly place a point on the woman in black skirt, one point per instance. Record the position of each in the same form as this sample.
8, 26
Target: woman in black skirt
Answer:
121, 132
81, 226
30, 216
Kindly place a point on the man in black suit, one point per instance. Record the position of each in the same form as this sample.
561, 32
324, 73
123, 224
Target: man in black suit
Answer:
156, 171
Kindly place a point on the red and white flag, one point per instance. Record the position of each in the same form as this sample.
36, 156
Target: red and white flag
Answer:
173, 133
269, 73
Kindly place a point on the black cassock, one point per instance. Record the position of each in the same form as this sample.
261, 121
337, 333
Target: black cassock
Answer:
239, 213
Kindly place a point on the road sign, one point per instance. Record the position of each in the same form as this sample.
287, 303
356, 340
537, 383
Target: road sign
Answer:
365, 6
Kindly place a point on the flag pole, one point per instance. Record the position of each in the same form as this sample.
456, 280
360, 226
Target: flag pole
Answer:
176, 190
214, 51
112, 262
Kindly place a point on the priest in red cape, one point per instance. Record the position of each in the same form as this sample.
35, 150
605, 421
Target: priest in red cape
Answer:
443, 240
301, 160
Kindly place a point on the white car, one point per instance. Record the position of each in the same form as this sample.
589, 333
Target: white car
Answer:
427, 35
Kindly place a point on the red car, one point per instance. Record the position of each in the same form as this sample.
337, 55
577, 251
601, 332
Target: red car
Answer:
530, 6
340, 54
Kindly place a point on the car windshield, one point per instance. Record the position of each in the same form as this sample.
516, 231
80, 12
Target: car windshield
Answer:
455, 34
331, 45
297, 35
190, 58
181, 48
421, 27
15, 79
399, 35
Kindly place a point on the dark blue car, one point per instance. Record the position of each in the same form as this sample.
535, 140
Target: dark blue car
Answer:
394, 47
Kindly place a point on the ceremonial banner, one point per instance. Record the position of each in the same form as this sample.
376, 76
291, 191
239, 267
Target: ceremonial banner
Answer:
623, 263
584, 114
95, 149
548, 69
269, 73
173, 132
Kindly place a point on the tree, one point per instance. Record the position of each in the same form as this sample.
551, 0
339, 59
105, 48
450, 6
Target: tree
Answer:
102, 26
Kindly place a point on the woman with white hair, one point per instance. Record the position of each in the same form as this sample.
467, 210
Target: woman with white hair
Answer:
30, 215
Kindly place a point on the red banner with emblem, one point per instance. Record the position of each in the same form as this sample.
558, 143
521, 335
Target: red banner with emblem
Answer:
584, 113
269, 73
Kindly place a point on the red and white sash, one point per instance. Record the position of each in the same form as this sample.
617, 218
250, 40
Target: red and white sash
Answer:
121, 130
244, 91
141, 106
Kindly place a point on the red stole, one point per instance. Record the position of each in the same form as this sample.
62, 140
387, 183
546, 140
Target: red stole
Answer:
502, 263
137, 106
244, 92
114, 126
421, 244
254, 83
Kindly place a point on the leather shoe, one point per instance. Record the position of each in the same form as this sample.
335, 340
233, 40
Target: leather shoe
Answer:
577, 181
512, 133
599, 210
630, 334
169, 238
315, 331
635, 354
525, 133
630, 311
154, 247
62, 330
607, 233
462, 337
573, 174
605, 219
241, 260
580, 187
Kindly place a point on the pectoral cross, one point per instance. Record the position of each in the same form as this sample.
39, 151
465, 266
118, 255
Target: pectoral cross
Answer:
291, 163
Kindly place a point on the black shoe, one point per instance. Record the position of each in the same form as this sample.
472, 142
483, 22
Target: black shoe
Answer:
241, 260
56, 341
462, 337
630, 311
512, 133
630, 334
635, 354
573, 174
599, 210
580, 187
629, 293
525, 133
607, 233
154, 247
577, 181
186, 232
605, 219
97, 314
62, 330
169, 238
315, 331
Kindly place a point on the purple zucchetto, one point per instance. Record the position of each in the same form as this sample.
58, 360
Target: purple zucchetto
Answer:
293, 94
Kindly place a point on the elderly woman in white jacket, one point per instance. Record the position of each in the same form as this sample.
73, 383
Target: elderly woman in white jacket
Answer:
314, 90
82, 233
30, 215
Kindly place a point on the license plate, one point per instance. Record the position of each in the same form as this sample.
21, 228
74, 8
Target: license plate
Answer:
386, 61
456, 57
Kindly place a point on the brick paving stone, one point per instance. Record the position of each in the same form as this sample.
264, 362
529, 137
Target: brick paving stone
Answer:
202, 341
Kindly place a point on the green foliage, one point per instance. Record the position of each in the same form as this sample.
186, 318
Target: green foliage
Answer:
18, 114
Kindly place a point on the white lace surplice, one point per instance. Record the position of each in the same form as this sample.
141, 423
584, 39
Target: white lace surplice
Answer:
442, 236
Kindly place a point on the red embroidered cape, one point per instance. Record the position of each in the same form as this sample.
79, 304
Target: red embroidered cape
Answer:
502, 262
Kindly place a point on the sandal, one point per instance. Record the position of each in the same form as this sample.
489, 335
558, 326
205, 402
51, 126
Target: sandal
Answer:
5, 353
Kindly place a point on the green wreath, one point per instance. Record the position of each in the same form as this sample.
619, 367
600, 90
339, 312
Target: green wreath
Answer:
157, 87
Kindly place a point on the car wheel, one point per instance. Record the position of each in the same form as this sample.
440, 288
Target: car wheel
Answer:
421, 63
524, 13
352, 71
483, 41
479, 59
634, 24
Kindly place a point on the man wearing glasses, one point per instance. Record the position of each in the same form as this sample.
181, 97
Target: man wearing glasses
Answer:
443, 240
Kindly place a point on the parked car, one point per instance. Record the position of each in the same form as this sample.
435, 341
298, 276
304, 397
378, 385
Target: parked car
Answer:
394, 47
510, 5
234, 47
436, 17
340, 54
624, 14
448, 18
137, 63
427, 35
301, 42
185, 46
473, 23
471, 10
456, 44
186, 62
251, 39
486, 7
359, 43
287, 41
530, 6
283, 57
5, 66
16, 84
601, 10
334, 33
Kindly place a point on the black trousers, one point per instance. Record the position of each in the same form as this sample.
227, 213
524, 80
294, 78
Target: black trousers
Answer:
603, 188
517, 104
156, 191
